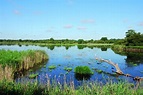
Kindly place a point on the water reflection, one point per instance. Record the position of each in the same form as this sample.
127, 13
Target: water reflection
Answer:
80, 77
81, 55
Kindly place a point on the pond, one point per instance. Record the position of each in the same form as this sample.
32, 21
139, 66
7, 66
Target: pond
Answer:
73, 56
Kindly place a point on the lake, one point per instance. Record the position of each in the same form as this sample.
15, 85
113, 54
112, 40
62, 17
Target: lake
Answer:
72, 56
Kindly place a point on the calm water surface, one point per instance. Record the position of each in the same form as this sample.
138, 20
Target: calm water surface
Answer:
74, 56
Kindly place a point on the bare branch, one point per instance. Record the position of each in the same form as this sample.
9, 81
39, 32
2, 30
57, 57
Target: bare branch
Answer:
118, 70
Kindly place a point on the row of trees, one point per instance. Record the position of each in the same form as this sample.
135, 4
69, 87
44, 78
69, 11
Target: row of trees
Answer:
62, 41
132, 39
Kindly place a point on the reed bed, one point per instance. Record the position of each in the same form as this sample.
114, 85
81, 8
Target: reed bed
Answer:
87, 88
12, 62
12, 58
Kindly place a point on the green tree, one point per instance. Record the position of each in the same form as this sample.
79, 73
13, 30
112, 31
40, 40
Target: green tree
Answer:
104, 39
133, 39
80, 41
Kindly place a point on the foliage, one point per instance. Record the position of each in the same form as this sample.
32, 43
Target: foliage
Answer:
90, 88
133, 39
68, 69
32, 76
13, 58
83, 70
52, 67
104, 39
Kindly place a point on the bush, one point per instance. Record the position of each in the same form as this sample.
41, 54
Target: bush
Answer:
83, 70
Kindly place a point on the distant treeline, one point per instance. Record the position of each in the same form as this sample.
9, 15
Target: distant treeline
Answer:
132, 39
62, 41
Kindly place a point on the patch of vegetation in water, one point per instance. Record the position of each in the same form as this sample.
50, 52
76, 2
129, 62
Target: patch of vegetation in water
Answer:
52, 67
83, 70
33, 76
68, 69
99, 71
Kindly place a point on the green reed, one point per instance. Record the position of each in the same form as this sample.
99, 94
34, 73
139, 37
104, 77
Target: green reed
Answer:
88, 88
9, 57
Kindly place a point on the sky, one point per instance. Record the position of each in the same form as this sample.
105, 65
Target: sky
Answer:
69, 19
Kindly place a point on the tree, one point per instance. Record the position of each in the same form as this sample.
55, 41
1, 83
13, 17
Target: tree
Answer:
104, 39
133, 39
80, 41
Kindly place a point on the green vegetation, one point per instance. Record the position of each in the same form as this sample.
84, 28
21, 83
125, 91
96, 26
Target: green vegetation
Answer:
68, 69
52, 67
15, 58
99, 71
110, 88
83, 70
32, 76
12, 62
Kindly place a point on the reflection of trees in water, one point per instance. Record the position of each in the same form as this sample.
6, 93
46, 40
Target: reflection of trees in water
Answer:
81, 46
132, 57
82, 76
135, 58
103, 48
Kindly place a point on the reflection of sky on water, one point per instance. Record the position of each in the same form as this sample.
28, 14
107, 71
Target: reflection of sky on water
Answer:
73, 57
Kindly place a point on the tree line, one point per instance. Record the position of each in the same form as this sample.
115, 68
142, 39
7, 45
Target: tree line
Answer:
132, 38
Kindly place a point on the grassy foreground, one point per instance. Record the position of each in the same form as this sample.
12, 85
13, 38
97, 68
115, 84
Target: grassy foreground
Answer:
11, 88
12, 62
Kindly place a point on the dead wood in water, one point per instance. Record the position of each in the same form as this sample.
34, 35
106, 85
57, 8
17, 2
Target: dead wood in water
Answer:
120, 72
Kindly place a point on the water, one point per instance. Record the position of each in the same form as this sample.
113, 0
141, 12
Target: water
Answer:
74, 56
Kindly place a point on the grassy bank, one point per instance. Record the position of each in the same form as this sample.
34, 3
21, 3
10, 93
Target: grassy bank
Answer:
122, 48
11, 88
17, 61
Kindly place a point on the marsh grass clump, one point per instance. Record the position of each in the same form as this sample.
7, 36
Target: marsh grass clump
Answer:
83, 70
12, 62
15, 58
52, 67
33, 76
68, 69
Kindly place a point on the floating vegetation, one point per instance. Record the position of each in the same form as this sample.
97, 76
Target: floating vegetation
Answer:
99, 71
33, 76
52, 67
135, 64
68, 69
59, 65
44, 66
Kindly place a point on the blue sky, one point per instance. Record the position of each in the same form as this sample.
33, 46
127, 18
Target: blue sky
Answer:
72, 19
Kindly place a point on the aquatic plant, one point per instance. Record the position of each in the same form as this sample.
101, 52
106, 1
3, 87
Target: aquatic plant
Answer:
52, 67
83, 70
32, 76
68, 69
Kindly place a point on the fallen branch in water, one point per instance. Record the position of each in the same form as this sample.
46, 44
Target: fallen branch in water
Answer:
118, 70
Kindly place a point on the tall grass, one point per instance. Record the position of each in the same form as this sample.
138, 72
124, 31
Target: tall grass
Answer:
12, 58
92, 88
18, 61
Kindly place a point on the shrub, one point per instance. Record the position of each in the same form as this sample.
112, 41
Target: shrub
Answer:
83, 70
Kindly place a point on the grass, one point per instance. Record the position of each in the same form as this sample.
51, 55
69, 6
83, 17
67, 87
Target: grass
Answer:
19, 61
52, 67
13, 58
33, 76
68, 69
83, 70
88, 88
